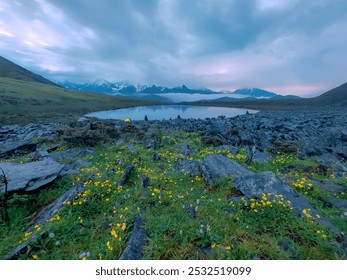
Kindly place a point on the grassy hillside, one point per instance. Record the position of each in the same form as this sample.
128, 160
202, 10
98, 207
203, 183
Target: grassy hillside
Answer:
25, 102
11, 70
334, 96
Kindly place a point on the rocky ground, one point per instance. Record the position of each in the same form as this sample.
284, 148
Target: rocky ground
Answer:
310, 144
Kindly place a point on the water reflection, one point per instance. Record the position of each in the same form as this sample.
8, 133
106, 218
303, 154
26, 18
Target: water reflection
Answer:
170, 112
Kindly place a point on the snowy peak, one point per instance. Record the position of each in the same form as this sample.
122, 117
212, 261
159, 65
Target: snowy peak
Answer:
255, 92
180, 92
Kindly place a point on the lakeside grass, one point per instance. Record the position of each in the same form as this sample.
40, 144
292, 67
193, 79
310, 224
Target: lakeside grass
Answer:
23, 102
100, 220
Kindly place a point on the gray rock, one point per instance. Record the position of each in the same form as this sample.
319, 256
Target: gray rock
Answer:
30, 176
192, 167
49, 211
216, 166
9, 149
43, 216
72, 168
132, 148
329, 162
126, 174
184, 149
72, 154
253, 186
232, 149
330, 187
138, 240
344, 135
144, 182
261, 157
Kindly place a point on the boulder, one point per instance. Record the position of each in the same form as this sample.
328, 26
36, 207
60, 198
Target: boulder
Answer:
184, 149
216, 166
232, 149
138, 240
261, 157
344, 135
16, 148
72, 153
132, 148
253, 186
72, 168
30, 176
193, 167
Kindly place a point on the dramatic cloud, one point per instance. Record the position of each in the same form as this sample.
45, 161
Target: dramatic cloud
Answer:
288, 46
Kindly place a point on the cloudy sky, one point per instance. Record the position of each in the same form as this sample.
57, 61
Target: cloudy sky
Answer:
287, 46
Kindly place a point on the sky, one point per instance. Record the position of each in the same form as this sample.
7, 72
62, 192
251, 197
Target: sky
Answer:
286, 46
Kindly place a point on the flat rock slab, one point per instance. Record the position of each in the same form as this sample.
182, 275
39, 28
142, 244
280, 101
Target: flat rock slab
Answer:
72, 154
9, 149
253, 186
138, 240
30, 176
217, 166
193, 167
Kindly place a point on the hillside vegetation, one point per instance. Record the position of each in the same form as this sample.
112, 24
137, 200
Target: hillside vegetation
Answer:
11, 70
25, 102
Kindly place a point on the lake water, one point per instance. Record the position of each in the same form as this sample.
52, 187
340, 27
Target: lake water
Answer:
167, 112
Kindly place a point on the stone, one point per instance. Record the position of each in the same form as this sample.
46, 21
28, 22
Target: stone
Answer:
49, 211
214, 140
126, 174
72, 168
261, 157
30, 176
344, 135
193, 167
19, 148
253, 186
132, 148
232, 149
144, 182
217, 166
138, 240
184, 149
72, 154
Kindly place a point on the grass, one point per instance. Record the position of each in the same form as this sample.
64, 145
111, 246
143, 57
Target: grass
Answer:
100, 220
24, 102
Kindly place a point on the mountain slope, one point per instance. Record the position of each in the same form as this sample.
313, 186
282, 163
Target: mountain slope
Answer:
11, 70
335, 96
25, 102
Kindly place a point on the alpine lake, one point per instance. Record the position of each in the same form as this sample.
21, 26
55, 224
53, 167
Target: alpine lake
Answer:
166, 112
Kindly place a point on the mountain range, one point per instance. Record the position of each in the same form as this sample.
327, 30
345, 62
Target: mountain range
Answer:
174, 94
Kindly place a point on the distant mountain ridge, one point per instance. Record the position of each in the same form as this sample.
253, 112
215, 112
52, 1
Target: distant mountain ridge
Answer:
8, 69
124, 87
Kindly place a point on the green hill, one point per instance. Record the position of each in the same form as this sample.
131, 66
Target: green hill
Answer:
335, 96
11, 70
25, 102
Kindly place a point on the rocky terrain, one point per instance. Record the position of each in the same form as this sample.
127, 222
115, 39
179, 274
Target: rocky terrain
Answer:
290, 159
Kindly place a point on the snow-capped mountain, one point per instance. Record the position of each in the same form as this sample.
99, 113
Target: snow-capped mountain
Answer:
174, 94
125, 87
255, 92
